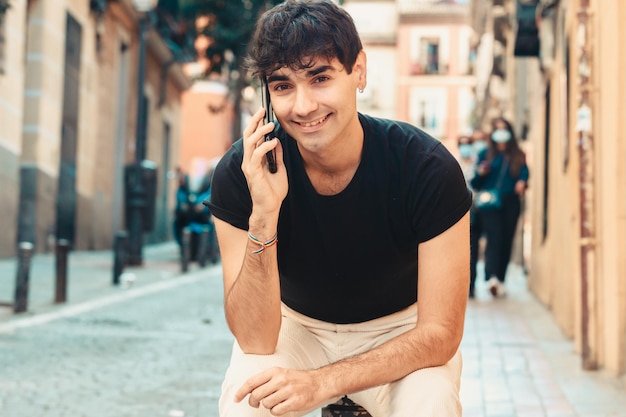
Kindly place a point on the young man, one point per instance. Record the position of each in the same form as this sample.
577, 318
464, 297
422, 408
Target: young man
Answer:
320, 259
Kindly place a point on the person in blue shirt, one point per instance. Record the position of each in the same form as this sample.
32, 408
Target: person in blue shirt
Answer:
191, 213
467, 156
502, 165
182, 202
478, 141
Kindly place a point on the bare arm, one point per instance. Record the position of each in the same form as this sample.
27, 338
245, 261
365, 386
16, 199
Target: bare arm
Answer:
443, 287
251, 282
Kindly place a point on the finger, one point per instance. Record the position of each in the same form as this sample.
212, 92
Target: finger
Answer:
263, 396
256, 138
251, 132
281, 408
254, 123
258, 156
272, 400
250, 385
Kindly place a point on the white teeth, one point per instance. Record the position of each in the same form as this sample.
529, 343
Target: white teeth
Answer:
313, 123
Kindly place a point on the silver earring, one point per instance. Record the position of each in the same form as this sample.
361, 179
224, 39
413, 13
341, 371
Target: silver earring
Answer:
361, 90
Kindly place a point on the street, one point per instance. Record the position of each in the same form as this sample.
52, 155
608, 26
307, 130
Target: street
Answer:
159, 347
158, 354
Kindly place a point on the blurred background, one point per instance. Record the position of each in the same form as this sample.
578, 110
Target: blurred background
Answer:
104, 103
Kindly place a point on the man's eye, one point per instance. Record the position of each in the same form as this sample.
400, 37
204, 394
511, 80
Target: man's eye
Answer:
281, 87
321, 79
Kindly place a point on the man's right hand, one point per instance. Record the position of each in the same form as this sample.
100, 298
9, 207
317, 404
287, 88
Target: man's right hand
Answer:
251, 280
267, 190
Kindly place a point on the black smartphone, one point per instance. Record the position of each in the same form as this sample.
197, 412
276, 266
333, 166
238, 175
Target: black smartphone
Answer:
269, 117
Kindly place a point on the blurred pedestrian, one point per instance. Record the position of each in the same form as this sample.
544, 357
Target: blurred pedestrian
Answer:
181, 209
467, 156
190, 213
500, 168
467, 161
478, 142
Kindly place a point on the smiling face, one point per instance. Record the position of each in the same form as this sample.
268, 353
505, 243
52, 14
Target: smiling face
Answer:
317, 106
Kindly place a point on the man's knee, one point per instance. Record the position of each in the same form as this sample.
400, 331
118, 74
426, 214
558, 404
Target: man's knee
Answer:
432, 392
242, 367
296, 349
440, 397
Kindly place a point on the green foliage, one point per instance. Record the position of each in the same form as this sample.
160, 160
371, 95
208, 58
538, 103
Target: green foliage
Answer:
169, 6
4, 6
230, 26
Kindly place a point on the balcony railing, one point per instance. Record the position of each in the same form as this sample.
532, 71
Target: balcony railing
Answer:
417, 68
173, 31
434, 7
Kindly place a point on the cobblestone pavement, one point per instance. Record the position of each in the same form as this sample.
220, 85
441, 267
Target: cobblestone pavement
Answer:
517, 363
158, 345
160, 354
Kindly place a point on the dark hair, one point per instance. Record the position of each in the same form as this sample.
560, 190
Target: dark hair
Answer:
463, 139
297, 32
515, 155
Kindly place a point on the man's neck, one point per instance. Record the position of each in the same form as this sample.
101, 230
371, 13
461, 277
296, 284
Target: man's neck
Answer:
332, 170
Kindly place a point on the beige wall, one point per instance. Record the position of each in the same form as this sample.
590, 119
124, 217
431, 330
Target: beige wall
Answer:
556, 273
12, 80
11, 116
31, 100
608, 36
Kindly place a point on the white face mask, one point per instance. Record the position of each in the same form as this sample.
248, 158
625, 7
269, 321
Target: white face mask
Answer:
501, 136
466, 150
479, 146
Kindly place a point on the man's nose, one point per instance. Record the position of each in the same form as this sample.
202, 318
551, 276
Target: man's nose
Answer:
305, 102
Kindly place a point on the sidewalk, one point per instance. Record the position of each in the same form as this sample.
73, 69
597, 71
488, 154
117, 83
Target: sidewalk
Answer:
517, 363
89, 276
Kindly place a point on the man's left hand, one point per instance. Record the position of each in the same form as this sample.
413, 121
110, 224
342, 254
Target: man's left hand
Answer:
282, 390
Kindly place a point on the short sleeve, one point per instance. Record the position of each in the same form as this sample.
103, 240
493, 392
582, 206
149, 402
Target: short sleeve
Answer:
230, 198
438, 194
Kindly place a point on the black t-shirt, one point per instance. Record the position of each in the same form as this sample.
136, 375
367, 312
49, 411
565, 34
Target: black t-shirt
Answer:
352, 257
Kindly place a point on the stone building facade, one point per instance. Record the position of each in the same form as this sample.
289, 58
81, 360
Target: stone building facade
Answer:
68, 112
569, 99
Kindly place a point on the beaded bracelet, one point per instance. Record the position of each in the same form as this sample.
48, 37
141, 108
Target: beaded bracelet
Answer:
267, 244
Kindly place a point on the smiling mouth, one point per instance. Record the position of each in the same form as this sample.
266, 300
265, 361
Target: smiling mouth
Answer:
313, 123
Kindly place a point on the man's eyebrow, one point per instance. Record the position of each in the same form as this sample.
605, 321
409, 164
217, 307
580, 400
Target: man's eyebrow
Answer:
319, 70
277, 77
310, 73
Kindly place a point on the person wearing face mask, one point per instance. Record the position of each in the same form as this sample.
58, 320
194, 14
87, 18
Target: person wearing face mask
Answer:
467, 156
503, 165
478, 141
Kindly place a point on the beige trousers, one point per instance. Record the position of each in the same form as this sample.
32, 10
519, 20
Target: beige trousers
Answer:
306, 343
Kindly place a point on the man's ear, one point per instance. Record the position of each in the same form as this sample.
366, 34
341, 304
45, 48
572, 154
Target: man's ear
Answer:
360, 69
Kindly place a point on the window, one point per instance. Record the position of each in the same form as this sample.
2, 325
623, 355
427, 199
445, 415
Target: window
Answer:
429, 50
430, 53
427, 61
428, 109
